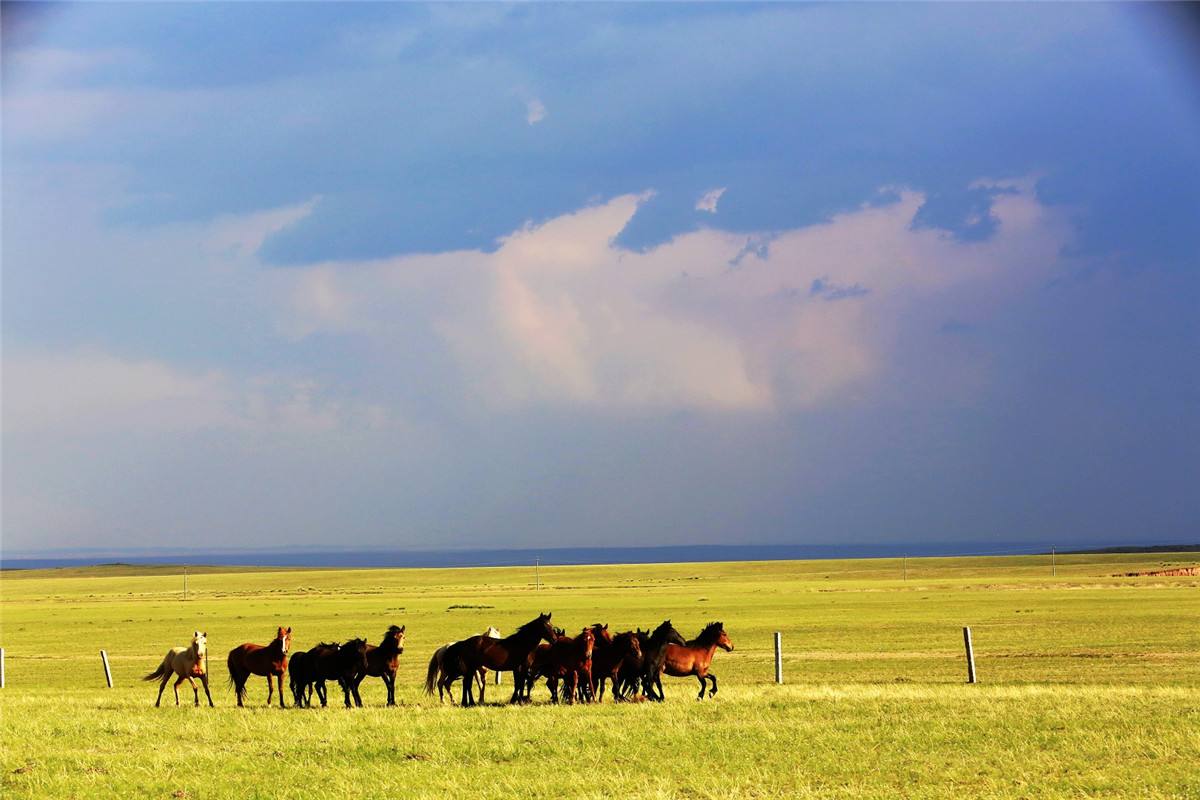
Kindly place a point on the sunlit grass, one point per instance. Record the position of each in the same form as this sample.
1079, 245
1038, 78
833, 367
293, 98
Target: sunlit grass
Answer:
1091, 683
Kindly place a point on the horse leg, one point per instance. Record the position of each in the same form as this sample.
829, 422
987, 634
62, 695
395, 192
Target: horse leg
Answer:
195, 691
467, 699
703, 686
389, 683
270, 690
162, 686
712, 678
207, 693
279, 678
346, 687
178, 681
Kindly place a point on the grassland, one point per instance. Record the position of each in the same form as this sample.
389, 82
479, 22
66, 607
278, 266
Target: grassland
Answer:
1090, 683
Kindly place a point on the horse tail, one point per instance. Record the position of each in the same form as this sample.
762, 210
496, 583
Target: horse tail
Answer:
162, 671
431, 673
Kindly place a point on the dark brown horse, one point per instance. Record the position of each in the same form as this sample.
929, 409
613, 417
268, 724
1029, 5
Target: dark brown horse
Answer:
255, 659
511, 654
303, 672
383, 662
610, 655
695, 657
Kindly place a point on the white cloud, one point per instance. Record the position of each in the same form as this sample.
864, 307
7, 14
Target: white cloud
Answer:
86, 392
535, 111
708, 201
559, 314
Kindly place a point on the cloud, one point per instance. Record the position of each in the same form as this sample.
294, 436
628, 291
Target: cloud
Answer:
535, 111
558, 314
708, 201
87, 392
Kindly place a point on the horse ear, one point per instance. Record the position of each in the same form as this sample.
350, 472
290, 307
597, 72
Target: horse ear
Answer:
289, 630
402, 627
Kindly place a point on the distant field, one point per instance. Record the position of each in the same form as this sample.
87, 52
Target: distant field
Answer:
1090, 683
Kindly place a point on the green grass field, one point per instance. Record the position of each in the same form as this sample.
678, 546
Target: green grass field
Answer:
1090, 684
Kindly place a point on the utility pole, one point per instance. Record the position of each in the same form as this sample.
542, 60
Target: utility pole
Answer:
1053, 565
905, 562
185, 576
537, 575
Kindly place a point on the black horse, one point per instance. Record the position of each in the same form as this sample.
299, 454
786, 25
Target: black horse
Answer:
383, 662
654, 655
328, 661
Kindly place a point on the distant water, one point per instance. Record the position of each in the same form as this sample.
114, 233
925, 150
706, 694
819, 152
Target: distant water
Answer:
501, 558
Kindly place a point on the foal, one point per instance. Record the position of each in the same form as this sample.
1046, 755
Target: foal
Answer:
186, 662
255, 659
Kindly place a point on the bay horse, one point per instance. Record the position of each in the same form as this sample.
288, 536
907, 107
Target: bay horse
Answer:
694, 657
383, 661
188, 663
302, 673
510, 654
611, 654
256, 659
444, 683
654, 655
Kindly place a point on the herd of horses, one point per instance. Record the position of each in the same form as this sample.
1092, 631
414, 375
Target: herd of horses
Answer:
575, 668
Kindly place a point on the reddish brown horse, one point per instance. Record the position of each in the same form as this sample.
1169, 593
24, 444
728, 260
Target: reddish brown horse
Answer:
567, 659
255, 659
694, 657
383, 662
510, 654
611, 654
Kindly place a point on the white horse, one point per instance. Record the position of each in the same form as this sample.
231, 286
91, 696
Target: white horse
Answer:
443, 684
186, 662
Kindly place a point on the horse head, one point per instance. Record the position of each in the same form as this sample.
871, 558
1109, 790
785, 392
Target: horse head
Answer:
666, 633
601, 633
723, 639
356, 653
397, 635
492, 632
284, 637
199, 643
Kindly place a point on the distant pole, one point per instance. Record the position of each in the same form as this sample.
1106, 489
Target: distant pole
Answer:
905, 562
1, 667
970, 656
185, 583
107, 671
778, 657
1053, 565
537, 575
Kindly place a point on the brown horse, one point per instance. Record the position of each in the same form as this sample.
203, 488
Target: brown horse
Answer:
383, 662
186, 662
568, 659
694, 657
511, 654
255, 659
610, 655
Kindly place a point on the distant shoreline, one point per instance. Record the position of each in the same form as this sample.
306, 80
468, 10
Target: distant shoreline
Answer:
553, 556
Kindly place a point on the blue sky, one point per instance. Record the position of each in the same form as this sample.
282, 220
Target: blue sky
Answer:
496, 275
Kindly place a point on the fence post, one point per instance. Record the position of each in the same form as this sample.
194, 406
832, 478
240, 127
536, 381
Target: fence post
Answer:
107, 671
970, 656
497, 672
1, 667
778, 657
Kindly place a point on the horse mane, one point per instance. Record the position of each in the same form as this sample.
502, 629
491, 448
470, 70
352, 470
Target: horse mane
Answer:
333, 645
710, 634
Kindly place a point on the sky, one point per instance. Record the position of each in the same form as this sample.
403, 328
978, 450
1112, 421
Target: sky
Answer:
550, 275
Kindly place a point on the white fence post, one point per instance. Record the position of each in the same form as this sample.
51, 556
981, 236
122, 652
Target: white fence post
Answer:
497, 676
970, 656
778, 657
107, 671
1, 667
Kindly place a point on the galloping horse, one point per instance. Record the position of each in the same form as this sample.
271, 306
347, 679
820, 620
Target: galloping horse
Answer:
654, 654
255, 659
383, 662
611, 653
510, 654
443, 683
186, 662
694, 657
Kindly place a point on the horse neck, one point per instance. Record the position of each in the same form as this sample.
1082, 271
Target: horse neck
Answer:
524, 637
388, 646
